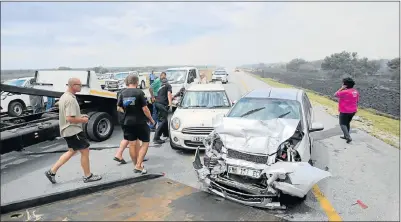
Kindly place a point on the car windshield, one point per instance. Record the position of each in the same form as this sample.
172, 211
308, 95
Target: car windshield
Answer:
15, 82
206, 99
266, 109
121, 76
176, 76
220, 73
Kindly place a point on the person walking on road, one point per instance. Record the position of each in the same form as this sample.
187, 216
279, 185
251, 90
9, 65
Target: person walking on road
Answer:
124, 143
151, 77
153, 90
70, 122
348, 99
163, 105
132, 102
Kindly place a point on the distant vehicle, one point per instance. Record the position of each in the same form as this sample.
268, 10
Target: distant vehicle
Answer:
122, 75
192, 121
107, 82
15, 104
236, 70
220, 75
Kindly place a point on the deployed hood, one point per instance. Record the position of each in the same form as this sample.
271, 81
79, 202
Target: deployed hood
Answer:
203, 116
254, 136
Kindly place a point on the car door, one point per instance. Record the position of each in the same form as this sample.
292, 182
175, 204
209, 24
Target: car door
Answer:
308, 117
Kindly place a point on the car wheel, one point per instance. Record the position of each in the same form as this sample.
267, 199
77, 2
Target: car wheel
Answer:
100, 126
143, 84
16, 108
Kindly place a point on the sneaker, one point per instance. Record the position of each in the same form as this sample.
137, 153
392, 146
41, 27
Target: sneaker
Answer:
158, 141
51, 176
91, 178
143, 171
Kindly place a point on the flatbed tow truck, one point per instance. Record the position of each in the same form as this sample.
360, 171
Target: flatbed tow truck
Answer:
26, 130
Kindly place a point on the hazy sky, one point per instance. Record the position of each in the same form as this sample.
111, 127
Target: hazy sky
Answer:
78, 34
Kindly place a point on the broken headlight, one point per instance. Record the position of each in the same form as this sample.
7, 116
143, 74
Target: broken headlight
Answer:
286, 152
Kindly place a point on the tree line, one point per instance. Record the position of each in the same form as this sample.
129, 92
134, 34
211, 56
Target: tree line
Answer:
348, 63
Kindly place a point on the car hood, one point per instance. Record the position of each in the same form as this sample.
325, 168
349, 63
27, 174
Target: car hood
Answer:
176, 88
198, 117
254, 136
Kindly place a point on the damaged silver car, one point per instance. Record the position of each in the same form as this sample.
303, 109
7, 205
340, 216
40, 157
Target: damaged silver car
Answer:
261, 150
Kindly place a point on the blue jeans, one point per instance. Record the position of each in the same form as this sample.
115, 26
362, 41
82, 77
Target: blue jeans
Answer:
50, 103
154, 116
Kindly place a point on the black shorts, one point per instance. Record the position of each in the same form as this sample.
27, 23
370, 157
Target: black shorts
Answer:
77, 141
137, 131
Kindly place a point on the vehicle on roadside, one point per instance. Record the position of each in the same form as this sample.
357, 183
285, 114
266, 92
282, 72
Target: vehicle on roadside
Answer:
261, 150
98, 104
15, 104
220, 75
122, 75
107, 82
180, 79
192, 121
236, 70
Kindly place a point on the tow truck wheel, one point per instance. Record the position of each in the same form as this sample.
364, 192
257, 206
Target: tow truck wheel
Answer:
143, 84
84, 126
100, 126
16, 108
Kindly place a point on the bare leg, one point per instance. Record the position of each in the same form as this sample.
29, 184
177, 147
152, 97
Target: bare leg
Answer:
133, 151
62, 160
142, 153
119, 154
85, 161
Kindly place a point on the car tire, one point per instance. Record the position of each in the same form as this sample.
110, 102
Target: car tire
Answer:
100, 126
16, 108
143, 84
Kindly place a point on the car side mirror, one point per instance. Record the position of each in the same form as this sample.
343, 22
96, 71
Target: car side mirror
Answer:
234, 102
316, 127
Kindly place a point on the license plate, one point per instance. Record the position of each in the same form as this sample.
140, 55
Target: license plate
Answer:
197, 139
244, 171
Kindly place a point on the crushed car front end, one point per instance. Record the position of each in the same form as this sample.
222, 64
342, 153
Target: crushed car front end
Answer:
255, 162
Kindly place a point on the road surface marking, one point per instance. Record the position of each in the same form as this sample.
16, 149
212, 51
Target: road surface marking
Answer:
325, 204
323, 201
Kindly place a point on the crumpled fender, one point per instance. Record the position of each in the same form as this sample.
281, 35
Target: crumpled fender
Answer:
301, 174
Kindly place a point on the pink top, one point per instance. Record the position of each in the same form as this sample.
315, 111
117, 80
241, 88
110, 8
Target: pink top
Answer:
348, 100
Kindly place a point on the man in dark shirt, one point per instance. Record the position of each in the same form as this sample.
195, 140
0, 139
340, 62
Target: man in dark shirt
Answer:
162, 104
132, 102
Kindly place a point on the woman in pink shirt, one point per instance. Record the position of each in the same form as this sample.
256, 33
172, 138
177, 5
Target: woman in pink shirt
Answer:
348, 99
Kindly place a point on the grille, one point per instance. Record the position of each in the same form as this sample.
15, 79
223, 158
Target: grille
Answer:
193, 144
112, 84
262, 159
197, 130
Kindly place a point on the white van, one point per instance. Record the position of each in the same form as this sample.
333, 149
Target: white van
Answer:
181, 77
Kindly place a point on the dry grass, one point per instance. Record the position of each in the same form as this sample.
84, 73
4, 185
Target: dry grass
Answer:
382, 127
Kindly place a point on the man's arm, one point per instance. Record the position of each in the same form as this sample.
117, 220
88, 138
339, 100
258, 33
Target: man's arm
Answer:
120, 103
72, 115
145, 109
170, 95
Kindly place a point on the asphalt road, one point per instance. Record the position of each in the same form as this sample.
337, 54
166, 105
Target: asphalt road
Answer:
366, 170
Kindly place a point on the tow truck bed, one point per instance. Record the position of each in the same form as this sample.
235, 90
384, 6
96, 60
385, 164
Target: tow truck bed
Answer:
150, 200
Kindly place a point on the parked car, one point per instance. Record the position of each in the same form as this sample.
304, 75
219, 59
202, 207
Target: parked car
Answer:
120, 77
107, 82
259, 152
16, 104
192, 121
